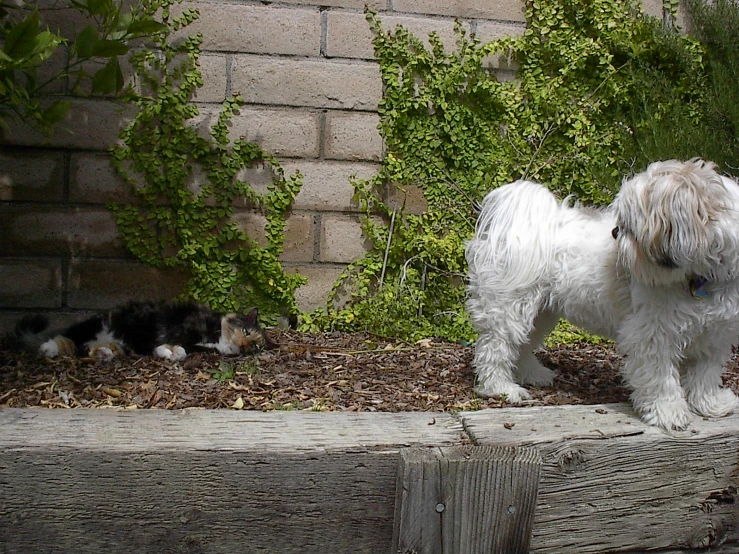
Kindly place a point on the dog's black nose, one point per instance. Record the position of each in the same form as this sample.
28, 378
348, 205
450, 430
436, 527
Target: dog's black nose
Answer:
615, 232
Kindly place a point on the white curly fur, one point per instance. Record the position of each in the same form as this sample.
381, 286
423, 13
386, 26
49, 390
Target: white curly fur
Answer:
624, 272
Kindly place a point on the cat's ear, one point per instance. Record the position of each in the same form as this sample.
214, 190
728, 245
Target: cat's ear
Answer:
252, 318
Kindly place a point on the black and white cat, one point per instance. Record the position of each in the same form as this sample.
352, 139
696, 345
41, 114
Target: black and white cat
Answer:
167, 330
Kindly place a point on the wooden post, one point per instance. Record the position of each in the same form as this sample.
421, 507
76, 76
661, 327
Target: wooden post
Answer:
466, 500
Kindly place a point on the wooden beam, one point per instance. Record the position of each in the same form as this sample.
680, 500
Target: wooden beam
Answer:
611, 483
213, 481
204, 481
465, 500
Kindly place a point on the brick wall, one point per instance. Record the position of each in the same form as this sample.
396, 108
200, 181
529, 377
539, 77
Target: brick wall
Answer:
306, 70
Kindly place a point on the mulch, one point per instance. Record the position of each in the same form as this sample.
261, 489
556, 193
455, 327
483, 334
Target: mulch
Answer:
323, 372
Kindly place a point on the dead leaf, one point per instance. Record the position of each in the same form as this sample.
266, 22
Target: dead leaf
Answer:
239, 404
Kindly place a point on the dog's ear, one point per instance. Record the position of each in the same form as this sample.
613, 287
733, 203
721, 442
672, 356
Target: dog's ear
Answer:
678, 215
680, 210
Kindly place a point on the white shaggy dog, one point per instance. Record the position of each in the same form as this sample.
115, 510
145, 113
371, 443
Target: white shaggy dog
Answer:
657, 271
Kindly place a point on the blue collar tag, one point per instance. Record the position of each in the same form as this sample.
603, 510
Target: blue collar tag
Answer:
698, 288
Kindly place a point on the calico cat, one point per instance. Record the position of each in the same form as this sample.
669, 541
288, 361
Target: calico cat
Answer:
167, 330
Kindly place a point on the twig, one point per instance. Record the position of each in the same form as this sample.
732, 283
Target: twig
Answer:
389, 240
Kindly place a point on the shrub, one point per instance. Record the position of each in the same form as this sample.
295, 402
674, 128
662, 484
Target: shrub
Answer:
188, 181
454, 131
27, 48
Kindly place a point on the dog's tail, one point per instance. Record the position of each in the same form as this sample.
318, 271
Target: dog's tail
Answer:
514, 236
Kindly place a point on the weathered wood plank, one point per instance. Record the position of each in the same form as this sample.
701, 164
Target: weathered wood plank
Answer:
611, 483
224, 481
465, 500
204, 481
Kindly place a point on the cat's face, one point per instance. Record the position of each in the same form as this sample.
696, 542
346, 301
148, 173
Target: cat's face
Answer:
242, 331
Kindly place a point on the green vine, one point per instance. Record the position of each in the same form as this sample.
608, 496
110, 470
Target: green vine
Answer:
187, 183
454, 131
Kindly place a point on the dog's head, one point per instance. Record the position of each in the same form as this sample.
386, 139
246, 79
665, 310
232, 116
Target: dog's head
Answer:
677, 220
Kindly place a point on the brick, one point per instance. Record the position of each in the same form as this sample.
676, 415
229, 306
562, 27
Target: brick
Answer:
50, 68
299, 235
258, 29
488, 31
299, 238
321, 279
31, 284
304, 82
411, 197
30, 175
62, 20
505, 10
259, 176
376, 5
349, 36
213, 68
353, 136
286, 132
103, 284
59, 231
655, 8
93, 180
290, 132
326, 184
89, 124
342, 240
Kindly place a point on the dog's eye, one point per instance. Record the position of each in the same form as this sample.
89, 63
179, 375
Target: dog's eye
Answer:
615, 232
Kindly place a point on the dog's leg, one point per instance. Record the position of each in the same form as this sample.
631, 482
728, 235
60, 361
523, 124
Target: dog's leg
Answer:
529, 369
701, 377
494, 364
650, 369
503, 327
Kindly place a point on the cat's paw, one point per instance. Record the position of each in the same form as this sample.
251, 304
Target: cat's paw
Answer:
104, 351
58, 346
168, 352
49, 349
178, 354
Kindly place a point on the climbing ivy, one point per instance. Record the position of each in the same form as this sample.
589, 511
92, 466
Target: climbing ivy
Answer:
454, 131
187, 182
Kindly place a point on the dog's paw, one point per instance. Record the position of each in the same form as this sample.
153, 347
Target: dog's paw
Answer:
716, 403
511, 393
671, 415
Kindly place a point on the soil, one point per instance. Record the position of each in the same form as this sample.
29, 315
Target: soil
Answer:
326, 372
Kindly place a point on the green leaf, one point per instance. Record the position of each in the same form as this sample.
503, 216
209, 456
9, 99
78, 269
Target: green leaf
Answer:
56, 112
109, 48
86, 41
20, 40
109, 79
145, 27
99, 7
